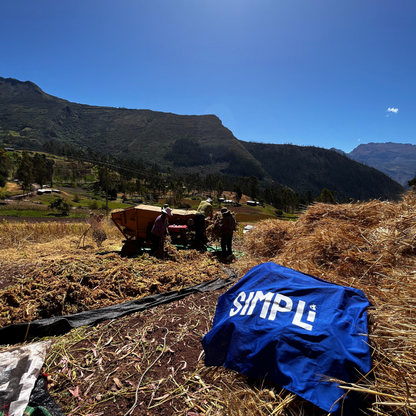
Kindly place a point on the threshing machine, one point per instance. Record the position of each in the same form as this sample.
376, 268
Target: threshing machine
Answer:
136, 223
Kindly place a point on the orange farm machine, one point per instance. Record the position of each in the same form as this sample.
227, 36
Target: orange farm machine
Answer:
136, 223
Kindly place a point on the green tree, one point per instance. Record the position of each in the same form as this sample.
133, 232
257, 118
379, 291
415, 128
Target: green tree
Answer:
39, 170
93, 205
177, 191
238, 193
326, 196
75, 167
253, 185
210, 182
220, 190
140, 188
112, 194
130, 188
5, 165
25, 172
412, 182
60, 204
155, 182
15, 160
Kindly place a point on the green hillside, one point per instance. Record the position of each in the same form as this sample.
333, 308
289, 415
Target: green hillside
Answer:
30, 119
312, 169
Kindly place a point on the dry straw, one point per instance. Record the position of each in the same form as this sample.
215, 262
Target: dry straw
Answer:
370, 246
75, 284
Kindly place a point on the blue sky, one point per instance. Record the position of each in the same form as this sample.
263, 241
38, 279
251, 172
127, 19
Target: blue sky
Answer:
307, 72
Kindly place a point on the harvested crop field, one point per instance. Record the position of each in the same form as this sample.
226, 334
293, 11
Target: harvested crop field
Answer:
74, 284
39, 219
152, 361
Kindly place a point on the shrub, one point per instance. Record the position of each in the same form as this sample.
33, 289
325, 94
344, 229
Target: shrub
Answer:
93, 205
60, 205
3, 195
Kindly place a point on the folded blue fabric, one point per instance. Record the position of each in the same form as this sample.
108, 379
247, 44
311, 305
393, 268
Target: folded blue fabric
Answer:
295, 330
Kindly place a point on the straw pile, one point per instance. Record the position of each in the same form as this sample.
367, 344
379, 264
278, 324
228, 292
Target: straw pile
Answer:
213, 230
370, 246
74, 284
268, 238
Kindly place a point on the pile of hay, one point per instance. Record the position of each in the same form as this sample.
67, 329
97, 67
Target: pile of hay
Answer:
340, 241
370, 246
268, 238
72, 284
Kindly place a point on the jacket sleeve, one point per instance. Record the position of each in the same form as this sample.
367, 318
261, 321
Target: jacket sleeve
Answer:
159, 227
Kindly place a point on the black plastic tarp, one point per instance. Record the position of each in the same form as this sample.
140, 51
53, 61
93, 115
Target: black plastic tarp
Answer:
40, 397
59, 325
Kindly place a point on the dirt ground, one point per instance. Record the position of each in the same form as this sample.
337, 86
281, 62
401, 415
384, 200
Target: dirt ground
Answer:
100, 371
129, 346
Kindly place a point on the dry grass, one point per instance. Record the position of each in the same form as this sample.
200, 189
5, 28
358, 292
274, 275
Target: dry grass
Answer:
75, 284
370, 246
21, 235
268, 237
13, 188
25, 205
65, 277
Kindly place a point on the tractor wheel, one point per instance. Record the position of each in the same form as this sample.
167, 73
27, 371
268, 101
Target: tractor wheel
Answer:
130, 249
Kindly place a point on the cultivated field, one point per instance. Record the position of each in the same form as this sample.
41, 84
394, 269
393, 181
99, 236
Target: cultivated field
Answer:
152, 361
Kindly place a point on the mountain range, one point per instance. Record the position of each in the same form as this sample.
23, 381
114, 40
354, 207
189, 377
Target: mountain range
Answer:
397, 160
31, 119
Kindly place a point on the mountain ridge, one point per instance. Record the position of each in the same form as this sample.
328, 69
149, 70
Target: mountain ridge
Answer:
397, 160
32, 119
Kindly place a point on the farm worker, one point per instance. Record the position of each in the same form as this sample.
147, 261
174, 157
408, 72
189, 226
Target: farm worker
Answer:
160, 229
227, 228
204, 210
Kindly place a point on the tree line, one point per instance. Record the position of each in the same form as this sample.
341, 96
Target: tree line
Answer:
26, 169
132, 178
118, 175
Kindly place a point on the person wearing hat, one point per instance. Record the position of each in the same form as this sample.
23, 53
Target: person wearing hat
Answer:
160, 229
227, 228
204, 210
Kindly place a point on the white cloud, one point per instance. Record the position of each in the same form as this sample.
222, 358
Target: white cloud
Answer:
393, 110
